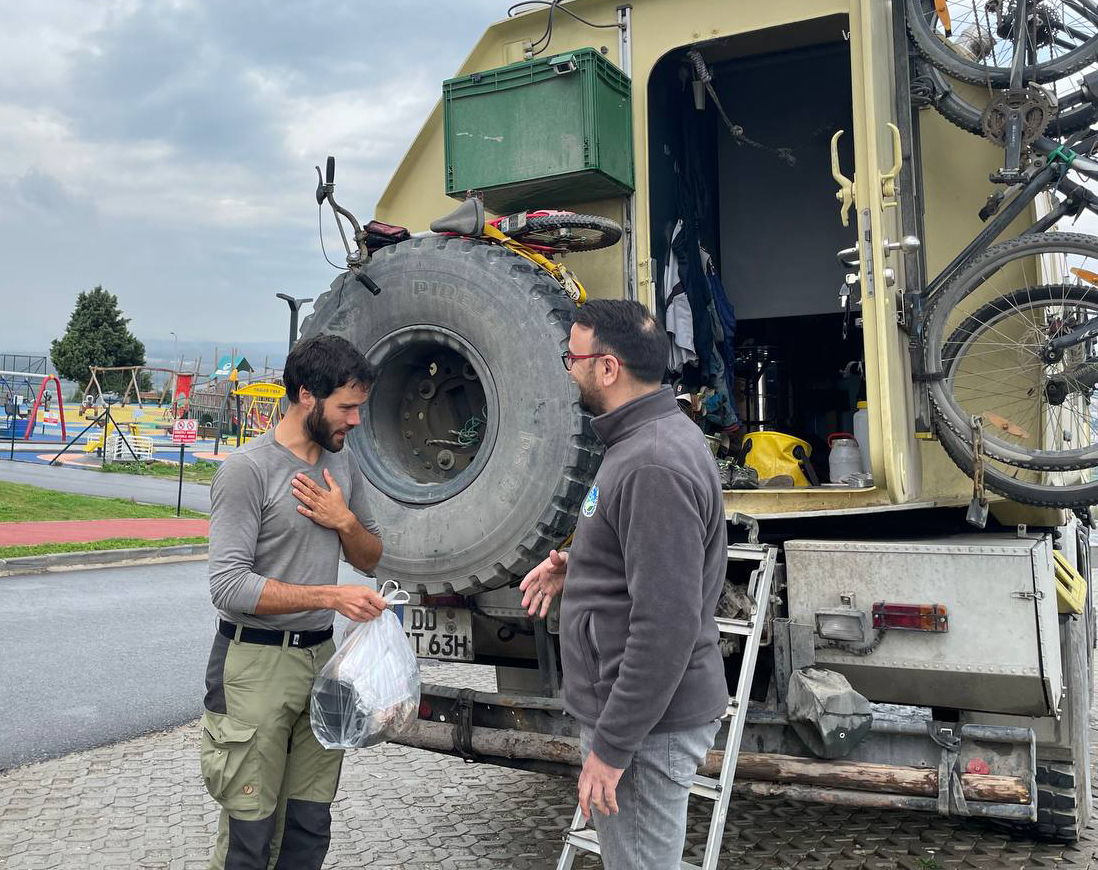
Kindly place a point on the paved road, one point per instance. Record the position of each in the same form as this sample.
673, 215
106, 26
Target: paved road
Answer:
196, 496
89, 658
92, 657
141, 804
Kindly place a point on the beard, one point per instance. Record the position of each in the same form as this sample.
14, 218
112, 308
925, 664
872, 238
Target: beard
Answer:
320, 430
590, 400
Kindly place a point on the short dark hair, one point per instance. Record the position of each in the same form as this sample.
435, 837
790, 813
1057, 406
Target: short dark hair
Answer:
322, 364
625, 329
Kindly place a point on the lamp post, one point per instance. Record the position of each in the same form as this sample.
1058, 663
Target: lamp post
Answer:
295, 306
175, 344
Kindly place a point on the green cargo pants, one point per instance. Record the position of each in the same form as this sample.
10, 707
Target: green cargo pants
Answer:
260, 760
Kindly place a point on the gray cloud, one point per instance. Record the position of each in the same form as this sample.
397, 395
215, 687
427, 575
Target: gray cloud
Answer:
164, 149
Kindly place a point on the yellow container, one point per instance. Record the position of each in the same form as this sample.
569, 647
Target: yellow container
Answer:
774, 453
1071, 588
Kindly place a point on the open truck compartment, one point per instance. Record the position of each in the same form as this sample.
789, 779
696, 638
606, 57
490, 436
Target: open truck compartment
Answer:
755, 174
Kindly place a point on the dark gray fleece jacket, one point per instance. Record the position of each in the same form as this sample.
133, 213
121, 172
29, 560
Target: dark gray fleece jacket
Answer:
647, 565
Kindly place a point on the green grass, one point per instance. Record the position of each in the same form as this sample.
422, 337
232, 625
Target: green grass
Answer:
200, 471
20, 503
84, 546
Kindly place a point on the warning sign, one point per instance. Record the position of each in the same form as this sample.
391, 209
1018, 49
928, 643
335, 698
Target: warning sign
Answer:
185, 432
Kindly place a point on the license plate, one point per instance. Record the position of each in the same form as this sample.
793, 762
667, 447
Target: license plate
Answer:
440, 632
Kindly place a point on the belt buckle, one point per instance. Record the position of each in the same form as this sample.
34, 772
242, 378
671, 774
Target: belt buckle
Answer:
295, 639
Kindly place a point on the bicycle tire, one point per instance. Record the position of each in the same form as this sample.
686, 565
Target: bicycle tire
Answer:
546, 232
988, 319
1022, 492
953, 430
921, 13
968, 117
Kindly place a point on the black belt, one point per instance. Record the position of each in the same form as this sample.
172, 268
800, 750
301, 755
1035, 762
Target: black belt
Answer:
270, 637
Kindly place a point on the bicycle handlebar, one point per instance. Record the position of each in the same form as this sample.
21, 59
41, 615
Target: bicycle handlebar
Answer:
330, 170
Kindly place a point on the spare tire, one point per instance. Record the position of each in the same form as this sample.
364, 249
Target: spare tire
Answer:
473, 443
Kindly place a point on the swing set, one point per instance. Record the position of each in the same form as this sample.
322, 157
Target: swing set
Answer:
264, 408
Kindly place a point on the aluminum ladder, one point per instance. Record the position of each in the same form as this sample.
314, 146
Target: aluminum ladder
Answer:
580, 838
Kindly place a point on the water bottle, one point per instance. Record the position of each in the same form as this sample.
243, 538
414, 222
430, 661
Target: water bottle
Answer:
861, 434
844, 458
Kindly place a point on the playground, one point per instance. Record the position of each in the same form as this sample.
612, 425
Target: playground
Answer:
132, 430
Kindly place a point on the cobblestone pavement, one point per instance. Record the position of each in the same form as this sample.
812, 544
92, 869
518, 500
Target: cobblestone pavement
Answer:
140, 805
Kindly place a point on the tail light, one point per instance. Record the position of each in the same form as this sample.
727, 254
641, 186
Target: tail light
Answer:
910, 617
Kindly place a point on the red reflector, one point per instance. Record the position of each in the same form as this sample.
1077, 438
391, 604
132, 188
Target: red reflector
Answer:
424, 710
910, 617
977, 765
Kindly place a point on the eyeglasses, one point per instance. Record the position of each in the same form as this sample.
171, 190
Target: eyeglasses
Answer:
568, 358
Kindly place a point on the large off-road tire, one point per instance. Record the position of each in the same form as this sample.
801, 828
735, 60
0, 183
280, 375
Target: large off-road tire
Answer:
1064, 801
467, 338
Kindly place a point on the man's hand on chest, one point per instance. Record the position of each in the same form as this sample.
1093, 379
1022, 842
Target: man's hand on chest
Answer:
324, 506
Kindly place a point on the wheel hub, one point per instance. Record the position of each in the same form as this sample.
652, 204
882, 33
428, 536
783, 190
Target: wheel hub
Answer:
431, 416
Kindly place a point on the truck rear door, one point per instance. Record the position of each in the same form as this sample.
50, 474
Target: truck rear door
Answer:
876, 213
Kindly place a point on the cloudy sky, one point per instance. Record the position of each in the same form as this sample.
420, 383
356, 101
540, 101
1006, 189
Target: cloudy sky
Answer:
165, 149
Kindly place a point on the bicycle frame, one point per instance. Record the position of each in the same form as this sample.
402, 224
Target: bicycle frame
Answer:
567, 279
1051, 175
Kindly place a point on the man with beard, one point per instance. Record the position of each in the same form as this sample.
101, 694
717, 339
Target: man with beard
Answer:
643, 673
283, 508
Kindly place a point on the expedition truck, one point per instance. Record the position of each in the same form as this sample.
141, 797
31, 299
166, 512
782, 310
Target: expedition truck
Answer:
956, 623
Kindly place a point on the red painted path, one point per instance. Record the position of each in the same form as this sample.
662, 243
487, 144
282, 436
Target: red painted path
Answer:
25, 534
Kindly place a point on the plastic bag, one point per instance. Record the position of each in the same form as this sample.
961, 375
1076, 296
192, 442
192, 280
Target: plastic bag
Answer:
369, 690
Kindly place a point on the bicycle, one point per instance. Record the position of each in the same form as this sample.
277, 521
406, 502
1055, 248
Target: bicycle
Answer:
537, 236
534, 235
1020, 51
1032, 345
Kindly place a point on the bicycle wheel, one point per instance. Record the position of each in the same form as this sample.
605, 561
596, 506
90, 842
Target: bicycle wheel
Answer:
1063, 38
1072, 112
1058, 489
566, 232
996, 310
1036, 410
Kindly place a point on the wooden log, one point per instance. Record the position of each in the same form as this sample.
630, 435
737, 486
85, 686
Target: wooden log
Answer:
751, 766
866, 776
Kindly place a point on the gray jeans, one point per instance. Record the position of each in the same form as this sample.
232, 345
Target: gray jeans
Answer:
649, 829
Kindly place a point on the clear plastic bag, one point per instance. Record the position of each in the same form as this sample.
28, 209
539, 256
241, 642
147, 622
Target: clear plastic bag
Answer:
369, 690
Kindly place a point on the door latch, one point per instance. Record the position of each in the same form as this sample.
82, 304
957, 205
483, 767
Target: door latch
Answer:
888, 179
845, 193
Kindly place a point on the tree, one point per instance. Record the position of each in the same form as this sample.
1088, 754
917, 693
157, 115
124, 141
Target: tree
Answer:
97, 335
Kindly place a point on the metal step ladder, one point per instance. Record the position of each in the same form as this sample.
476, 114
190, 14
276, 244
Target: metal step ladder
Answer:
582, 839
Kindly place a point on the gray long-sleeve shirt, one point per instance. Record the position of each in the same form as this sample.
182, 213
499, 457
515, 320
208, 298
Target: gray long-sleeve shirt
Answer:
257, 532
638, 641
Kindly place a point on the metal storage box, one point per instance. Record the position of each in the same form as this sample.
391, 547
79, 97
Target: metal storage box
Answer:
542, 133
1001, 652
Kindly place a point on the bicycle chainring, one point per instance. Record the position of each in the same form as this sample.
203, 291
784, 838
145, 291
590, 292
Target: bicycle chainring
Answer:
1034, 105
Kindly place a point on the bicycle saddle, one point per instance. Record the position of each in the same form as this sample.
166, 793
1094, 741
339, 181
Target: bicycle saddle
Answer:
466, 220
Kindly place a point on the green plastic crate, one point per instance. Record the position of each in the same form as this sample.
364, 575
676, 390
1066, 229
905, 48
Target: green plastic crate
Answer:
542, 133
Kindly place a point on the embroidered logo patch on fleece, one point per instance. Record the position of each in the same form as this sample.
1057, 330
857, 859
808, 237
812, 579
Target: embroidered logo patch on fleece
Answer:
591, 502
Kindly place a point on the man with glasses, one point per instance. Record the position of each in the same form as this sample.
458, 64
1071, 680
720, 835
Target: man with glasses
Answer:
643, 673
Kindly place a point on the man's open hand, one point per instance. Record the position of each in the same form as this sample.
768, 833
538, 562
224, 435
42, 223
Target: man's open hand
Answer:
325, 507
544, 583
598, 786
